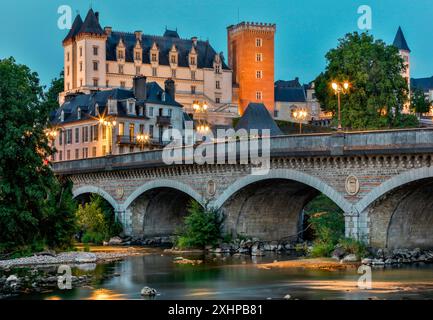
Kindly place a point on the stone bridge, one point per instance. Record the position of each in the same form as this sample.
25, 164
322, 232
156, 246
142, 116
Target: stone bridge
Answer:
382, 180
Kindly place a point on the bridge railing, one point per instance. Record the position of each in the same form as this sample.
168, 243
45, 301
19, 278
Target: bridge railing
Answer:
307, 145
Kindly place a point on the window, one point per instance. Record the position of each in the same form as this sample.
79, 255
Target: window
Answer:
131, 131
193, 88
104, 133
275, 113
259, 42
121, 149
67, 70
192, 61
150, 111
259, 95
151, 131
95, 50
94, 152
217, 69
131, 149
85, 134
137, 70
60, 138
81, 82
122, 84
78, 114
67, 56
137, 55
121, 128
81, 51
104, 150
172, 58
170, 112
95, 82
95, 65
107, 83
94, 130
173, 73
81, 66
192, 75
154, 57
85, 153
69, 136
163, 96
68, 155
141, 128
120, 54
60, 155
77, 153
154, 72
107, 67
130, 107
218, 100
120, 68
217, 84
259, 74
77, 135
259, 57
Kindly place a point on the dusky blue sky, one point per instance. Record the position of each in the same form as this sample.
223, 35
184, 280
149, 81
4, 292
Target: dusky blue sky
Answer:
306, 29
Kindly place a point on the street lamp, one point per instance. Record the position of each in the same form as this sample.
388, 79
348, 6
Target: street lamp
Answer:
199, 107
108, 123
142, 139
300, 115
340, 87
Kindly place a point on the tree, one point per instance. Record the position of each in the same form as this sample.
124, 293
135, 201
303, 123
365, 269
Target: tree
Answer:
419, 102
377, 90
35, 207
52, 94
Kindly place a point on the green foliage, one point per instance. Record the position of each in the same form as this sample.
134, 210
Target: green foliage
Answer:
408, 121
322, 249
377, 92
354, 246
34, 206
419, 102
52, 94
202, 227
326, 219
293, 128
96, 220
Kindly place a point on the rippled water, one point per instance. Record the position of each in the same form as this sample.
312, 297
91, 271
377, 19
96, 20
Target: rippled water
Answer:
239, 278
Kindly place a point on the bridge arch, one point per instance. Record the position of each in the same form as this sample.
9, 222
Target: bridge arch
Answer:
163, 183
393, 183
287, 174
104, 194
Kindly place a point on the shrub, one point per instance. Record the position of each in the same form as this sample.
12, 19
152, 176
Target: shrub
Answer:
322, 249
354, 246
202, 227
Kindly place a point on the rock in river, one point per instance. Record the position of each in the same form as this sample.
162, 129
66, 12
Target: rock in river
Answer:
148, 292
85, 257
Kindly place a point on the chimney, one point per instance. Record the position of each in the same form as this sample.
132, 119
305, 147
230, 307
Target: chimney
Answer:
140, 88
108, 30
194, 41
138, 35
170, 88
97, 16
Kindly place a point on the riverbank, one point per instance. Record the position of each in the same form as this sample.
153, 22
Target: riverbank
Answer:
97, 254
313, 263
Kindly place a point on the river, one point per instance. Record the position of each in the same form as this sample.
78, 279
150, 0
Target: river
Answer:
238, 277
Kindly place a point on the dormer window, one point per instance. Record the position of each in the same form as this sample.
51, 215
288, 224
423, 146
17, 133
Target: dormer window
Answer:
192, 61
163, 96
131, 107
138, 55
173, 59
79, 113
62, 116
154, 57
217, 68
120, 55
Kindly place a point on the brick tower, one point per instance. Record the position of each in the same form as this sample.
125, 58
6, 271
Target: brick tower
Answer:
251, 57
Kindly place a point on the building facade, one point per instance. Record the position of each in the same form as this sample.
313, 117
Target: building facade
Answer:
117, 121
103, 59
251, 57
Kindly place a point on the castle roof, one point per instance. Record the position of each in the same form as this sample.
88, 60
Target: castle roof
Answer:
89, 102
400, 40
424, 84
256, 116
205, 52
289, 91
171, 34
91, 24
78, 22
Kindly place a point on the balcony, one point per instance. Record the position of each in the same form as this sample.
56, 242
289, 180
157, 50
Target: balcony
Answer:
163, 120
122, 139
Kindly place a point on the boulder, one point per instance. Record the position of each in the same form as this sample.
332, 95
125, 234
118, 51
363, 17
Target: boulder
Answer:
85, 257
148, 292
350, 258
115, 241
338, 253
12, 278
287, 297
366, 261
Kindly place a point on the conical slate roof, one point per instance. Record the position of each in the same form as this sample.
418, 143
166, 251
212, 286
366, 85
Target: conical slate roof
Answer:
256, 116
78, 22
91, 24
400, 40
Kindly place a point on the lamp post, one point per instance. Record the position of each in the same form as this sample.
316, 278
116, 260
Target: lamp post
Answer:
108, 123
340, 87
51, 134
300, 115
200, 108
142, 139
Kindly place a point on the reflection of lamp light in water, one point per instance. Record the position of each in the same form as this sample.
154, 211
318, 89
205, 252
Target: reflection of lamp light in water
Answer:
105, 294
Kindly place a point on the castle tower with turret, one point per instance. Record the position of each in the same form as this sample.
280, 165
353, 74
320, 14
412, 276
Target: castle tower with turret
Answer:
251, 57
401, 44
